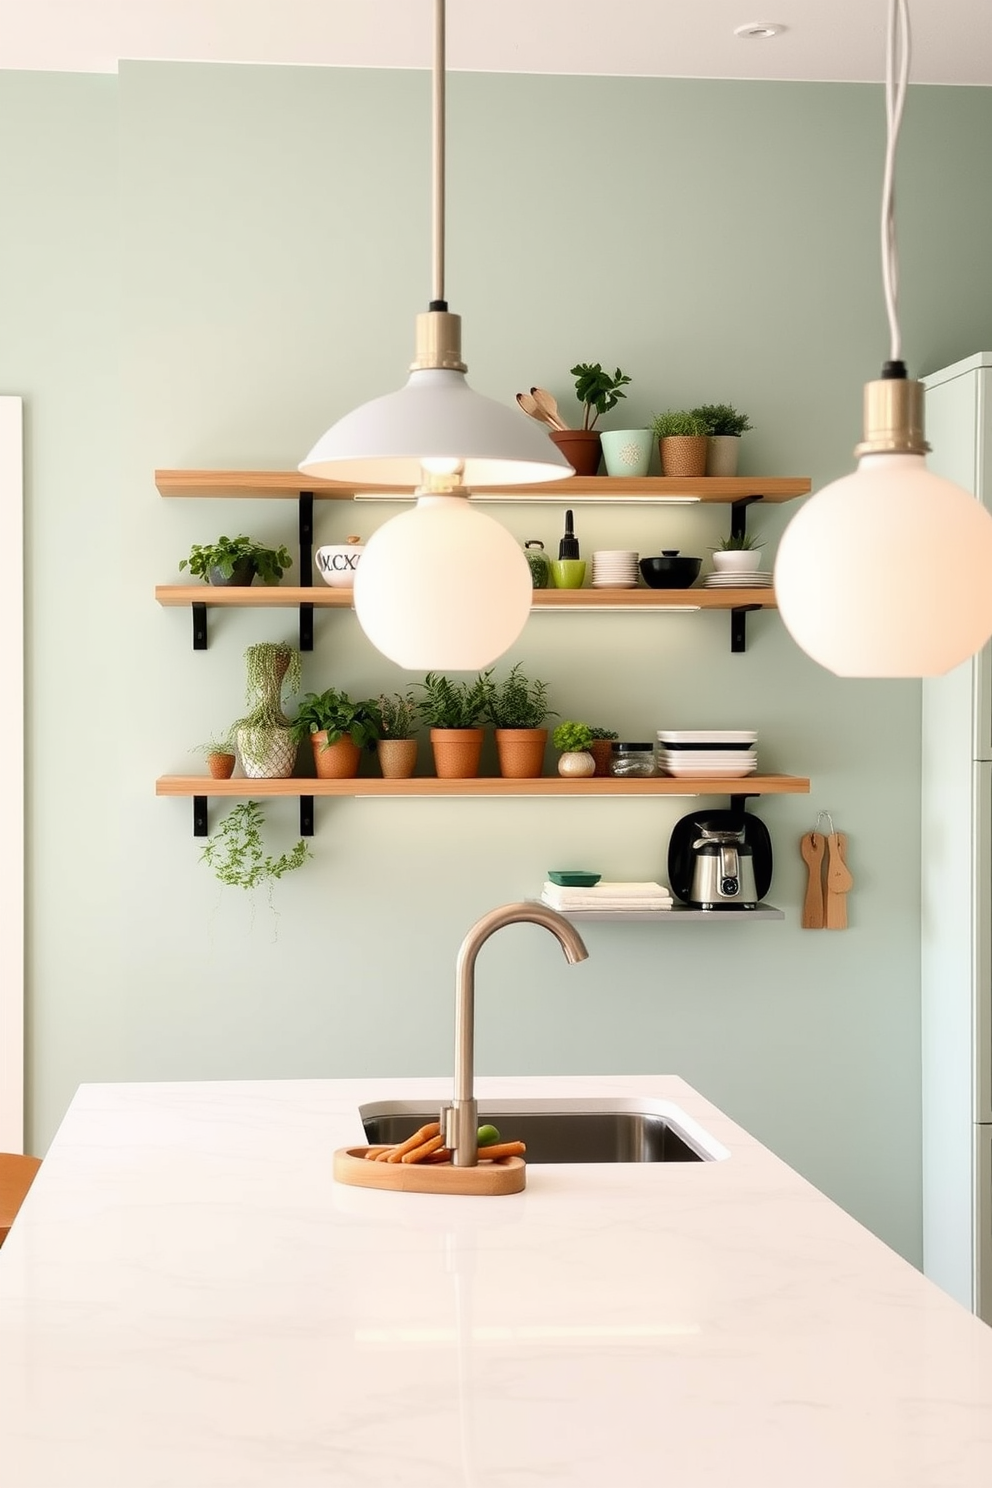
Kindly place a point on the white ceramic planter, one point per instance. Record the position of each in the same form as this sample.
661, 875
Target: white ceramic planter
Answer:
576, 763
743, 560
722, 451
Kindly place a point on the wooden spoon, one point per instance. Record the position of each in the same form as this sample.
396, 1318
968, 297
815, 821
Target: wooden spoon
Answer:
548, 405
529, 406
839, 882
812, 847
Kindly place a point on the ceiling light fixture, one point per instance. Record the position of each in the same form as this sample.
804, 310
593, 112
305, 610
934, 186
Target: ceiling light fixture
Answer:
759, 30
442, 587
855, 577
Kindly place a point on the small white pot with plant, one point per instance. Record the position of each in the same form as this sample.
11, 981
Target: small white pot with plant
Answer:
738, 554
573, 739
725, 427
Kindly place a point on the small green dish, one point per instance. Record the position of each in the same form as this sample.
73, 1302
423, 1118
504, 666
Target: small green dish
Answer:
573, 878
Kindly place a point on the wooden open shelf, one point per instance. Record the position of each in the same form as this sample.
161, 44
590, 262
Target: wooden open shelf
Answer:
283, 596
288, 484
430, 786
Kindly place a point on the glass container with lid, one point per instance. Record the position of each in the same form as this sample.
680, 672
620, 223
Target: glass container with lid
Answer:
633, 759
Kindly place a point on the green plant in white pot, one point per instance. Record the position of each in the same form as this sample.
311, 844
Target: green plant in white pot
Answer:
740, 553
266, 745
725, 426
573, 739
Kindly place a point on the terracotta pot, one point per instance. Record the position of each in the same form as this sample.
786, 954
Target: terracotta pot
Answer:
602, 752
684, 454
456, 753
397, 758
521, 752
221, 766
337, 761
581, 448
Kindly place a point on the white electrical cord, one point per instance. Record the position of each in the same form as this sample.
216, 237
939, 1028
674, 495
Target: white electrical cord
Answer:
897, 56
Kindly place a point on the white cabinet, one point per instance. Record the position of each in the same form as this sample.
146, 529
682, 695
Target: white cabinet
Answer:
956, 946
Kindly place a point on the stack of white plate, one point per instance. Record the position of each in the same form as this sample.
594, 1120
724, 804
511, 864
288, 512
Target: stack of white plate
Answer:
707, 752
759, 579
614, 568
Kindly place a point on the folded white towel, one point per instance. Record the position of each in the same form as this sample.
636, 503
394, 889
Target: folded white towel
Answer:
611, 906
626, 893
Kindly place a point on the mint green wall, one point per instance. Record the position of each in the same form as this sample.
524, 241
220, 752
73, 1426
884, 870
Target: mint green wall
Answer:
254, 243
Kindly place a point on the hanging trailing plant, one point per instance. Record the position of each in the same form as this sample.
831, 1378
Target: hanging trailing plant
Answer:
237, 855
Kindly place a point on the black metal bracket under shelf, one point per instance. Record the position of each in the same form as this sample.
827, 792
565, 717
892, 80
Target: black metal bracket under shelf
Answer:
199, 607
201, 820
738, 514
738, 626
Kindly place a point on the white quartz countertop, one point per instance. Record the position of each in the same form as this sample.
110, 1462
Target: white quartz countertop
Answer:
187, 1300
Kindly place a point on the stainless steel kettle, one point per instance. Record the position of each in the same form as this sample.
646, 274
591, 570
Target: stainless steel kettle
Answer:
722, 870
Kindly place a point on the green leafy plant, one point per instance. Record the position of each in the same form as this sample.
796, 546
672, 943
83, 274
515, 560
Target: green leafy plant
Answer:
335, 712
603, 733
229, 553
222, 743
516, 702
597, 391
237, 855
452, 705
676, 423
269, 666
570, 737
738, 543
720, 418
397, 715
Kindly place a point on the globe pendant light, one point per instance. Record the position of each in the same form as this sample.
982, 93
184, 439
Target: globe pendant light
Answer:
888, 572
442, 587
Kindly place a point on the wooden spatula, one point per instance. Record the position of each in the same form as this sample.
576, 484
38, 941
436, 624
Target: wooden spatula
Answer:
839, 881
812, 846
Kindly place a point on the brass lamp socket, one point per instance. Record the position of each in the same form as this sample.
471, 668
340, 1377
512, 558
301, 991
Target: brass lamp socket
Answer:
893, 418
439, 342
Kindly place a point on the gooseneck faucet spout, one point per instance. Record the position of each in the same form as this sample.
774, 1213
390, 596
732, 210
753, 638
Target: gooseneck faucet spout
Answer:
460, 1120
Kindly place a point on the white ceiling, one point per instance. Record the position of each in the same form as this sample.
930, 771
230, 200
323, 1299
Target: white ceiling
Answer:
829, 40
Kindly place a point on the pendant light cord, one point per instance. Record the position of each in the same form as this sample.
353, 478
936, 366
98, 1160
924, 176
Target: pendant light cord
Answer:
897, 57
437, 120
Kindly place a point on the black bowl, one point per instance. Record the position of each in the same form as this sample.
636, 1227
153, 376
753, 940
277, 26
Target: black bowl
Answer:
670, 571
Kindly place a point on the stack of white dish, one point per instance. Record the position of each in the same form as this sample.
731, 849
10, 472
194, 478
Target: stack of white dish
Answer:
614, 568
707, 752
757, 579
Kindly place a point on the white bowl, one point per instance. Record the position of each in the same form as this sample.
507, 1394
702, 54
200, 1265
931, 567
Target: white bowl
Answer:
337, 562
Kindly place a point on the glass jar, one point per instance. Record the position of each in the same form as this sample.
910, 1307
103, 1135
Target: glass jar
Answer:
540, 564
632, 759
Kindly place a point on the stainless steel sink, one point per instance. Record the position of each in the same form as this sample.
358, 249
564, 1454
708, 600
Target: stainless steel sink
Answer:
568, 1131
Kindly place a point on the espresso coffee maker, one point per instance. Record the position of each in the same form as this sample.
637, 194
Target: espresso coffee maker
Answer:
720, 860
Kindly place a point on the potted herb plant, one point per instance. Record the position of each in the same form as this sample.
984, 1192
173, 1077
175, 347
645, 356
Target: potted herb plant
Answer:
601, 747
266, 745
518, 710
573, 740
220, 753
454, 713
737, 554
397, 717
682, 441
598, 391
725, 427
338, 730
236, 560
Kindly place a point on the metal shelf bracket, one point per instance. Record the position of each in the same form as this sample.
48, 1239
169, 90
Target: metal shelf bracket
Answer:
738, 626
738, 514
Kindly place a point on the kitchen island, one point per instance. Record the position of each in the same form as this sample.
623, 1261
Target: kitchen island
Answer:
187, 1300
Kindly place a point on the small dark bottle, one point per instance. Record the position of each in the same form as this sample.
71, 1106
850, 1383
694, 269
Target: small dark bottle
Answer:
568, 547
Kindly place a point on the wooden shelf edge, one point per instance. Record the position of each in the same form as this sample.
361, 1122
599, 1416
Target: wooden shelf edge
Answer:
285, 596
679, 914
429, 786
286, 484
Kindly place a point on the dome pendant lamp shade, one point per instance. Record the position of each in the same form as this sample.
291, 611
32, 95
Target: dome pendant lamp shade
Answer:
888, 572
442, 588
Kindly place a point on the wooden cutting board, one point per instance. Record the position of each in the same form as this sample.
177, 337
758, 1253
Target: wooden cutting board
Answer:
505, 1176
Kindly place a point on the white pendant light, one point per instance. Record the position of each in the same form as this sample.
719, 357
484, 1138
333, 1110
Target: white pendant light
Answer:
888, 572
442, 587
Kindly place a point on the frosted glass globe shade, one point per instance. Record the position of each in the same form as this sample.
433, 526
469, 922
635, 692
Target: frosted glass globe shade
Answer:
887, 572
442, 587
436, 416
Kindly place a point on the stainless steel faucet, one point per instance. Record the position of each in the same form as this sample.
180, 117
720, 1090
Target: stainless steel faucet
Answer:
460, 1120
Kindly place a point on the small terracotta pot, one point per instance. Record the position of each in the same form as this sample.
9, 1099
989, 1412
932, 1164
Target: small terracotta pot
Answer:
221, 766
397, 758
456, 753
684, 454
602, 752
581, 448
521, 753
337, 761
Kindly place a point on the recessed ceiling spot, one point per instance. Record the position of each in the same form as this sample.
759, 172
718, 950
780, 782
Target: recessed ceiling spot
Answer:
759, 30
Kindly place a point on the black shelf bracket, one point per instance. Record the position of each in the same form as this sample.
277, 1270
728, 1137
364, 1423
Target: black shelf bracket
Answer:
738, 626
199, 625
306, 567
306, 816
738, 804
201, 825
738, 514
